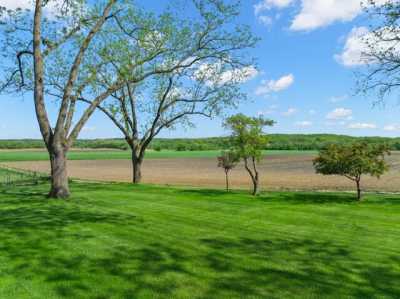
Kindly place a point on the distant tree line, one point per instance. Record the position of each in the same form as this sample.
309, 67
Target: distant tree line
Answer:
276, 142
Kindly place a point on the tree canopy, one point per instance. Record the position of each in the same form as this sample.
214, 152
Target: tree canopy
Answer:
353, 161
248, 141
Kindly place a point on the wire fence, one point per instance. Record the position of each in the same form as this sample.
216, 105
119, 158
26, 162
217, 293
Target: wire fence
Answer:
11, 176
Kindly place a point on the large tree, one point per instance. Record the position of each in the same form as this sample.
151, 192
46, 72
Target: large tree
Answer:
30, 42
381, 49
248, 140
66, 55
206, 83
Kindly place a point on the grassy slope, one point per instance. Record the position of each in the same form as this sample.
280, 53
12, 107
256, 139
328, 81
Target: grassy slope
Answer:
8, 156
120, 241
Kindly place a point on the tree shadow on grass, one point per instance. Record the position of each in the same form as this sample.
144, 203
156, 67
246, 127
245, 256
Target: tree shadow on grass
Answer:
317, 198
210, 192
38, 244
288, 197
286, 268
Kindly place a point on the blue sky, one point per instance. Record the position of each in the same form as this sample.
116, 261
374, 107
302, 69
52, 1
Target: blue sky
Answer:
307, 57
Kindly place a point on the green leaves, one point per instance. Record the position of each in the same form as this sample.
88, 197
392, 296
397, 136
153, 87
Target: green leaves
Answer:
352, 161
248, 139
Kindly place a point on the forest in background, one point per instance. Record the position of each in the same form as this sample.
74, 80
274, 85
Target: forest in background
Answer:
276, 142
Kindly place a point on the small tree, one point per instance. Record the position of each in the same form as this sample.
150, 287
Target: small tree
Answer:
227, 161
352, 161
248, 140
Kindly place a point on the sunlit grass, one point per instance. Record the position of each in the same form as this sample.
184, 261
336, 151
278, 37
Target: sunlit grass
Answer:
121, 241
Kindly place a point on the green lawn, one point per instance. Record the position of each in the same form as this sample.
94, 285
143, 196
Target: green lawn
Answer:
31, 155
120, 241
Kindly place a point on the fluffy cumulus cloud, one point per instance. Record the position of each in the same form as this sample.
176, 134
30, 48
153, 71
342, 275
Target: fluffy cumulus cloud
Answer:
320, 13
340, 114
268, 86
360, 41
303, 124
315, 14
355, 48
360, 126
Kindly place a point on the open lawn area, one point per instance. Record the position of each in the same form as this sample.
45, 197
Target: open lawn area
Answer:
121, 241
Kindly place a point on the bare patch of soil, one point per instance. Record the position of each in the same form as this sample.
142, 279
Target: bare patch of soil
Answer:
291, 172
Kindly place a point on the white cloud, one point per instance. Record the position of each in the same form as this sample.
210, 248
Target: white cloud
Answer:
14, 4
240, 75
281, 84
392, 128
362, 126
51, 9
268, 4
355, 47
214, 74
312, 112
290, 112
303, 124
358, 45
319, 13
336, 99
340, 114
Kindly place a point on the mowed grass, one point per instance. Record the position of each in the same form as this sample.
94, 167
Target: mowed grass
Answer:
32, 155
121, 241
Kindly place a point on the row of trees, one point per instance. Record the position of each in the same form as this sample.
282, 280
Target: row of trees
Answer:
147, 71
351, 161
144, 71
275, 142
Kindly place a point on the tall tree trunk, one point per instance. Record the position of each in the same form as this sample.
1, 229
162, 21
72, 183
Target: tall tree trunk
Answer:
59, 176
256, 187
254, 176
256, 182
227, 179
358, 190
137, 160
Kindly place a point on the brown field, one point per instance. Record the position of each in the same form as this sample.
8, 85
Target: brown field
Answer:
292, 172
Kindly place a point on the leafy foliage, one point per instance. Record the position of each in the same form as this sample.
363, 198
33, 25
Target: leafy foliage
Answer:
353, 161
248, 141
